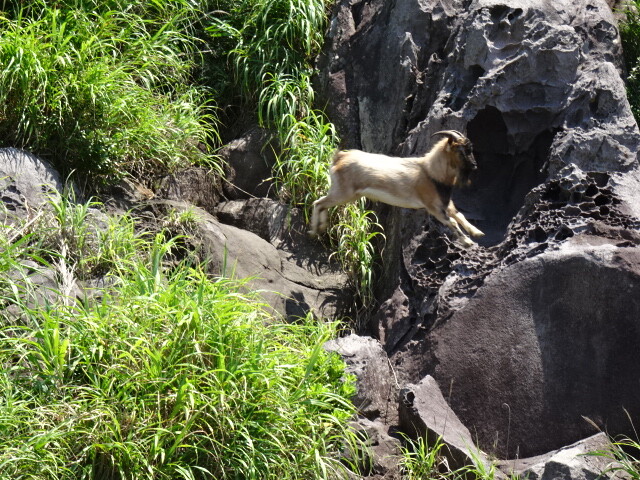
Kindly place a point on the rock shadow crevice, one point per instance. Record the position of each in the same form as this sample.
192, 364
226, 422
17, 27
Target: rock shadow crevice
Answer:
508, 169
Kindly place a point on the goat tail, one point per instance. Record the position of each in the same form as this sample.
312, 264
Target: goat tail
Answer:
336, 156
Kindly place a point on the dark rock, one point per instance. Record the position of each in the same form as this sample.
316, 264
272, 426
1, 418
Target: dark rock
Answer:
588, 459
126, 194
196, 185
26, 184
425, 413
393, 320
538, 325
265, 217
249, 163
380, 460
543, 344
376, 392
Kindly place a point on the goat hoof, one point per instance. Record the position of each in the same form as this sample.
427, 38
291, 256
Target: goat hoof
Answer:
467, 242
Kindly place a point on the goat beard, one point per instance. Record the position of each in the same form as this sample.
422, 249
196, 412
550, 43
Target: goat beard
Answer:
464, 176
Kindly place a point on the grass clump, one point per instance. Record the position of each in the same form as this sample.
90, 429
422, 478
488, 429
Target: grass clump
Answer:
270, 46
164, 374
421, 461
424, 460
630, 35
103, 89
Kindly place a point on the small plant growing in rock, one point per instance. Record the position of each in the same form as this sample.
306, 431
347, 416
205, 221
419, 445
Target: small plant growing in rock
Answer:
423, 461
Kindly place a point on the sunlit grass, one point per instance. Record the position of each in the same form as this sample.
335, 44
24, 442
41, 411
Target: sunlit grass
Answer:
100, 91
167, 373
424, 460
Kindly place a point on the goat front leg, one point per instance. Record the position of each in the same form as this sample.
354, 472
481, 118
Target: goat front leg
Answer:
452, 212
446, 220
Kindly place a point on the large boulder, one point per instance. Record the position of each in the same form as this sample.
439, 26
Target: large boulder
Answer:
26, 184
290, 283
545, 345
248, 164
538, 326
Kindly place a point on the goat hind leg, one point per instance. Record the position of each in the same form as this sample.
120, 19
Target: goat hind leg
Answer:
323, 204
318, 217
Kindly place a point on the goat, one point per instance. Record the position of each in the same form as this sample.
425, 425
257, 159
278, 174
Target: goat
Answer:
414, 182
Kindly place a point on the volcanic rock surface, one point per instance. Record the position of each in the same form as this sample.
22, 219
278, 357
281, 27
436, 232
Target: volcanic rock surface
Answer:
539, 326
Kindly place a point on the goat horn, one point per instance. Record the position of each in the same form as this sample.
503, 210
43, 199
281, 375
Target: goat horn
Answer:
451, 134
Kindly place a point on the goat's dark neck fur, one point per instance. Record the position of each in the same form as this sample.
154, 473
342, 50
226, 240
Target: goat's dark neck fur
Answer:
444, 191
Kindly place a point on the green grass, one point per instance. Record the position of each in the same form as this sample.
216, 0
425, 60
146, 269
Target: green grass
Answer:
630, 35
421, 461
105, 92
626, 455
270, 45
424, 461
167, 373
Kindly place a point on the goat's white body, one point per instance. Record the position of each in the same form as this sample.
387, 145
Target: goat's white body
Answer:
404, 201
403, 182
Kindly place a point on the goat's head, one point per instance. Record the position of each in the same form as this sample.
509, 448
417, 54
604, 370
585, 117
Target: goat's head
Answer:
463, 160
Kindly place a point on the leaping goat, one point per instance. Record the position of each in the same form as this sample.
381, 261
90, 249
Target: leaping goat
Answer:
415, 182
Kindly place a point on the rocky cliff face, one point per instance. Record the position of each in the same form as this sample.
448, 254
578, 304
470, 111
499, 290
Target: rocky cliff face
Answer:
527, 334
538, 327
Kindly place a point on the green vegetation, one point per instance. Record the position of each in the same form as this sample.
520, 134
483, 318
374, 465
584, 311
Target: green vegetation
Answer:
421, 461
108, 89
103, 88
275, 42
630, 34
626, 453
163, 373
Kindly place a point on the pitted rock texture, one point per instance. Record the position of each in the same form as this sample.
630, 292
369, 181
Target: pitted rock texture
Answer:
537, 87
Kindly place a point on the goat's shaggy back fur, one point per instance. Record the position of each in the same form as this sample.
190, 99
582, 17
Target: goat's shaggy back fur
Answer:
413, 182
